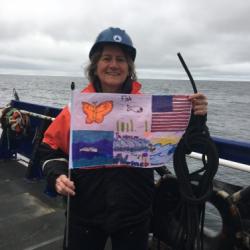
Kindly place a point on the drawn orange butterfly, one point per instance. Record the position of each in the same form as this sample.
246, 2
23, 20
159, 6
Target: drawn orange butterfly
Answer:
96, 113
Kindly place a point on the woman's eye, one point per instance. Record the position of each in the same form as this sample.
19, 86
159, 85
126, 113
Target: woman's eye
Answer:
121, 59
106, 59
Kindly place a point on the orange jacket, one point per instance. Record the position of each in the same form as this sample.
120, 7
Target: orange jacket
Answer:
57, 134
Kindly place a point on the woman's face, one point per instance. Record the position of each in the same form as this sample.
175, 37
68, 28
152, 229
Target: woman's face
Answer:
112, 68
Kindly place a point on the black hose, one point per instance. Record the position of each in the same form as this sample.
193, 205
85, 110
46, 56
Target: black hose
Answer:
193, 197
188, 72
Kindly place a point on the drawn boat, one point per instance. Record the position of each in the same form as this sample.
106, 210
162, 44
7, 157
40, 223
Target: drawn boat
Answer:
32, 217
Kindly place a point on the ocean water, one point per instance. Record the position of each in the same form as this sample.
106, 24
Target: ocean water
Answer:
228, 102
228, 108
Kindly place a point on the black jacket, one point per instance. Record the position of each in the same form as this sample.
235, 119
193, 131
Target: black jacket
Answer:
112, 198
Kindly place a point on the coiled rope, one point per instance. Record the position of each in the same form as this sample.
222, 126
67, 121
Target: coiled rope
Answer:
191, 210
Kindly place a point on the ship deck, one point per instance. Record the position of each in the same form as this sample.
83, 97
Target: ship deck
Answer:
29, 219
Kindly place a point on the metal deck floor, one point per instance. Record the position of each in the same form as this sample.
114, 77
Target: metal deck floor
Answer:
29, 219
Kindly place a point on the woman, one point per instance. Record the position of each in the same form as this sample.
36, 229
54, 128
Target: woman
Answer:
108, 202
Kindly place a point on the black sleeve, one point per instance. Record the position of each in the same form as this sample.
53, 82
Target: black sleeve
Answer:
197, 123
54, 163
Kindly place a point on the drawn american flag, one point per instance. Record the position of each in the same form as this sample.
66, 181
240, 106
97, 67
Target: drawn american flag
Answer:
170, 113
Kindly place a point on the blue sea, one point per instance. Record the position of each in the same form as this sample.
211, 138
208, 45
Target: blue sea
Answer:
228, 108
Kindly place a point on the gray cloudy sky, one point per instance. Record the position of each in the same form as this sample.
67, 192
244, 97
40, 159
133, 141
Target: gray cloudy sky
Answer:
53, 37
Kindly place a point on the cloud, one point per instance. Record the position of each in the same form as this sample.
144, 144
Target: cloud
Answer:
54, 36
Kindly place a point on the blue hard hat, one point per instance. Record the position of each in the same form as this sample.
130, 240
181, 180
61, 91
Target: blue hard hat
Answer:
114, 36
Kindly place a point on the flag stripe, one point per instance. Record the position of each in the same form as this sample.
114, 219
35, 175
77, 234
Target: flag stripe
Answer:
175, 119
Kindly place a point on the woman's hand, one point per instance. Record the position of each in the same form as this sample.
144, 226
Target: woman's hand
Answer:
199, 103
64, 185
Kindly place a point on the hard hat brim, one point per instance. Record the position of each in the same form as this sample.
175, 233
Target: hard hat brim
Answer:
130, 50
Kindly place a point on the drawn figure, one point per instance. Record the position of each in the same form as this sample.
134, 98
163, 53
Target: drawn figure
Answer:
96, 113
151, 147
88, 149
136, 109
144, 158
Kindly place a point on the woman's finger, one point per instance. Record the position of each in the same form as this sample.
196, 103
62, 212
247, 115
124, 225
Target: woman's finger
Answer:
65, 186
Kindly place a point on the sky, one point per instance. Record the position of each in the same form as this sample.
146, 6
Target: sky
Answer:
53, 37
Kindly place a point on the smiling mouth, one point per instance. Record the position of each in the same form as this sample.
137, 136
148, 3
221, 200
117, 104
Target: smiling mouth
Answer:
113, 73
